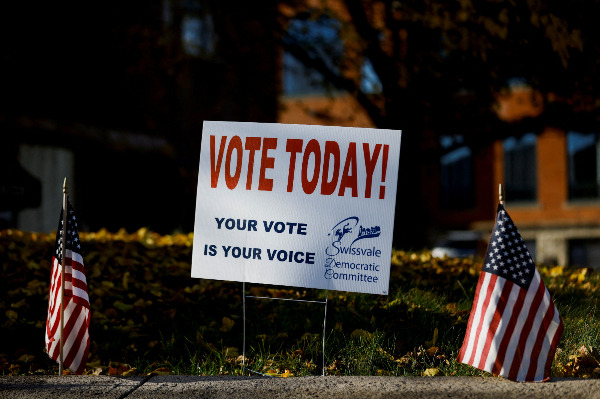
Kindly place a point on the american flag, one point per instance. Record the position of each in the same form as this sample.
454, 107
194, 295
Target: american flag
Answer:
76, 339
514, 327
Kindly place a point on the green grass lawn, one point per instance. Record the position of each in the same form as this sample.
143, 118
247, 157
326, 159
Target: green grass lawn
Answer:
149, 315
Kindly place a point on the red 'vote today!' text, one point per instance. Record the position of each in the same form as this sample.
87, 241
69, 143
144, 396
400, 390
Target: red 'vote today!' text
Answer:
327, 158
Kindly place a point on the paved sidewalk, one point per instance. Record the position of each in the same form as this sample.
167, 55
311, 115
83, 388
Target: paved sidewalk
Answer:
81, 387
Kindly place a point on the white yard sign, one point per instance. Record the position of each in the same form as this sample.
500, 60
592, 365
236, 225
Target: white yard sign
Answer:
296, 205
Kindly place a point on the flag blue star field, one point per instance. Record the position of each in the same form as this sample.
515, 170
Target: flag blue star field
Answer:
77, 307
514, 327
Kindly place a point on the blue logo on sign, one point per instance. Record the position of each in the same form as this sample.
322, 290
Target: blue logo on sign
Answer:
355, 263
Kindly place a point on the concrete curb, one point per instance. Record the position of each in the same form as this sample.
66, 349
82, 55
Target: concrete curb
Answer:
230, 387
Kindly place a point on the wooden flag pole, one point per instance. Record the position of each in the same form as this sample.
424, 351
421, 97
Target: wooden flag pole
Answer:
62, 274
501, 194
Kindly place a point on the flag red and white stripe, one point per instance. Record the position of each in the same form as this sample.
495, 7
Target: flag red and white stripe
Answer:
76, 339
514, 327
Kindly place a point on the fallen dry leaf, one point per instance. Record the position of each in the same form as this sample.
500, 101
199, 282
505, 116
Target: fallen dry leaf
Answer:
432, 372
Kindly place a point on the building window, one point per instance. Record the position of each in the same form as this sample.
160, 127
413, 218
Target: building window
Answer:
585, 253
197, 35
582, 152
320, 38
299, 80
370, 82
457, 182
520, 168
197, 30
